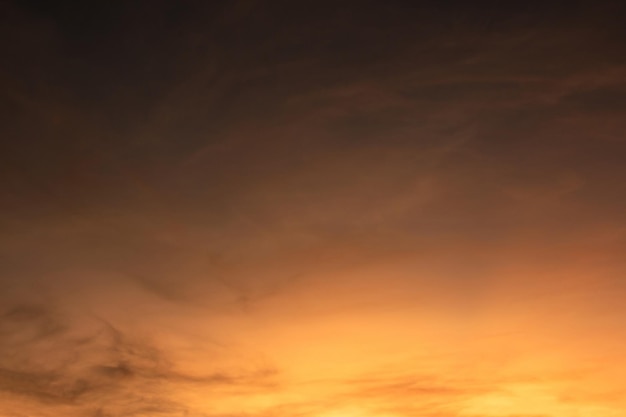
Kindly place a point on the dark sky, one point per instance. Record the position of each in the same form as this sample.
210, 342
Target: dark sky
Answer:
312, 208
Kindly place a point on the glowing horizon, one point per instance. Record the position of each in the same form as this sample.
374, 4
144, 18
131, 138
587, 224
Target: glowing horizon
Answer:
271, 209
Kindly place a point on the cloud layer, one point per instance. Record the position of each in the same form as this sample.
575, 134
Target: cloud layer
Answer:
248, 208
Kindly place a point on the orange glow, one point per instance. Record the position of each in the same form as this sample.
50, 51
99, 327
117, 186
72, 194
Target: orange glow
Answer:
359, 208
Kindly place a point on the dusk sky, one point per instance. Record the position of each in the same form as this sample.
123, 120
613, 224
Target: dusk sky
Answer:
300, 208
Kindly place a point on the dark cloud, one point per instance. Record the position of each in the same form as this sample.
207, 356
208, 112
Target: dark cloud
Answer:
98, 370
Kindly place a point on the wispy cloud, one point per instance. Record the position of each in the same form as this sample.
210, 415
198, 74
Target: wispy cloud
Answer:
98, 370
237, 208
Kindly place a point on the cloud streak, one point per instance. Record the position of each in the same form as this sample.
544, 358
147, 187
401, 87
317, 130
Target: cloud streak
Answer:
98, 370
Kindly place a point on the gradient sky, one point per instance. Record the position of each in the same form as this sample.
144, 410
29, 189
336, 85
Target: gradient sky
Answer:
313, 208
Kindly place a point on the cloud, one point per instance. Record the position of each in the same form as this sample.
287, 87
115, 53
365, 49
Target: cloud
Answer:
98, 370
190, 163
413, 395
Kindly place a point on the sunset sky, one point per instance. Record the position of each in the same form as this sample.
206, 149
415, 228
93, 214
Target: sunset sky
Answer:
300, 208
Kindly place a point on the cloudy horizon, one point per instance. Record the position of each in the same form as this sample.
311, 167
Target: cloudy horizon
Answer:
312, 209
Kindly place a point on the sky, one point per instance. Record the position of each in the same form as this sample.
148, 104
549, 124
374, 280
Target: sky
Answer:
271, 208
